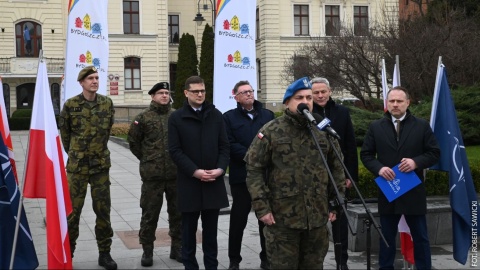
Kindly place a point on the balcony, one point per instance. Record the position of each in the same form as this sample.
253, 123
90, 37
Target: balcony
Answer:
23, 67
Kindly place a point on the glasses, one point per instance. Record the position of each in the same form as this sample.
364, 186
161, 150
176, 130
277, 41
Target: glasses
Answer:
196, 92
244, 93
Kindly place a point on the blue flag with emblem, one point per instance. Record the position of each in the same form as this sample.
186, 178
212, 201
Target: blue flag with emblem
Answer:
25, 255
453, 159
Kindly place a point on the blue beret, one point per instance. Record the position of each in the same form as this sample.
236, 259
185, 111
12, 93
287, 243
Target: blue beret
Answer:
302, 83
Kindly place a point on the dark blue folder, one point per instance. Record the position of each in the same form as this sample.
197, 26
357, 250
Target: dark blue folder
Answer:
402, 183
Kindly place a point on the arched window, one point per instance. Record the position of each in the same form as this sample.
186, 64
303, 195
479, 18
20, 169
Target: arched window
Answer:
28, 37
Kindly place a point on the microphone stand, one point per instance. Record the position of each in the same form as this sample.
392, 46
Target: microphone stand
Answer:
339, 198
367, 221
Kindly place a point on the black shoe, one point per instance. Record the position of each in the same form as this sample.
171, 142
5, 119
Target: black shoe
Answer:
234, 266
147, 259
106, 261
265, 265
342, 267
176, 254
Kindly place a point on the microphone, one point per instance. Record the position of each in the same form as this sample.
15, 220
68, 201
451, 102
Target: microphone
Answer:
302, 109
324, 125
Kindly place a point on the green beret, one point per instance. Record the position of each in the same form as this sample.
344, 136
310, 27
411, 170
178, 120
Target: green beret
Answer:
158, 86
300, 84
86, 71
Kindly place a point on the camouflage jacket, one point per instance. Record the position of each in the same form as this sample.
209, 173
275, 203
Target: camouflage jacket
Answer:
85, 129
298, 189
148, 139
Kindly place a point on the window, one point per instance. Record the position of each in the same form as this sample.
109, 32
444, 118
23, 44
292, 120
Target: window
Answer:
257, 24
6, 97
300, 20
173, 29
259, 73
332, 20
173, 76
131, 17
360, 20
55, 94
28, 36
132, 73
300, 66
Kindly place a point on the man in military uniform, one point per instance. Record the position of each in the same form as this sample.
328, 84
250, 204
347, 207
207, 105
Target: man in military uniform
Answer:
293, 201
85, 124
148, 142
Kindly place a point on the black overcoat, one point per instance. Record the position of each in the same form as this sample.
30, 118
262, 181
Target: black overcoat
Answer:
198, 141
381, 148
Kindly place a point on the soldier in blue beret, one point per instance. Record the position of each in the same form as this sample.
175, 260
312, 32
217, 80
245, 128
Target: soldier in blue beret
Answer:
293, 200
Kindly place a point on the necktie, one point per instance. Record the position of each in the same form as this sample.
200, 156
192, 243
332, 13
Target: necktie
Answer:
397, 128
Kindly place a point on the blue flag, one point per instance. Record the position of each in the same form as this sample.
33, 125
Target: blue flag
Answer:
463, 198
25, 255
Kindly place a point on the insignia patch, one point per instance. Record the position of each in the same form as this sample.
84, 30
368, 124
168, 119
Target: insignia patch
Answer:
135, 122
77, 109
260, 135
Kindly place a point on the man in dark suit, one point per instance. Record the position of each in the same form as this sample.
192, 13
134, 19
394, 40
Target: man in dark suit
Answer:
242, 125
324, 105
198, 145
401, 138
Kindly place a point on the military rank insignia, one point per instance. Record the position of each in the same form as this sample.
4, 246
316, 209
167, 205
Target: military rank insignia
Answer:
77, 109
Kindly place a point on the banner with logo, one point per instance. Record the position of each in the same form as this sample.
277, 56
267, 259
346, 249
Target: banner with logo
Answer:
235, 58
87, 44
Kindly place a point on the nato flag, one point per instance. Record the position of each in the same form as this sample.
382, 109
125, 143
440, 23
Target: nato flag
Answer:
25, 255
454, 160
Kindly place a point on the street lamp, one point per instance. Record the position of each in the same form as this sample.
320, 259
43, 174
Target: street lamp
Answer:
199, 18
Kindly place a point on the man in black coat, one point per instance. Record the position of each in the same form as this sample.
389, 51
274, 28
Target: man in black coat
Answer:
198, 145
242, 126
324, 105
401, 138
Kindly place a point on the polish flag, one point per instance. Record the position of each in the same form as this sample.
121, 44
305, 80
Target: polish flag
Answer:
406, 241
45, 175
5, 129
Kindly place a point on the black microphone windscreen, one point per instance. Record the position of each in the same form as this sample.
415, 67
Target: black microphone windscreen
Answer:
301, 107
317, 117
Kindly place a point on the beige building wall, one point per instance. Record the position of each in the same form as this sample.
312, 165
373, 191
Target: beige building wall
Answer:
276, 44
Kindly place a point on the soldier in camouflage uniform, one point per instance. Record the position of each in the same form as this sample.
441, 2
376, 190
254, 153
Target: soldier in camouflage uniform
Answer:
293, 202
148, 142
85, 124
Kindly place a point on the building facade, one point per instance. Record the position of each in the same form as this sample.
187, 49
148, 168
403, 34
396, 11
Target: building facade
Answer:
143, 40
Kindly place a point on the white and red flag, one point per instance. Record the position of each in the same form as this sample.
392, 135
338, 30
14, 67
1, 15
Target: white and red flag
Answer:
45, 175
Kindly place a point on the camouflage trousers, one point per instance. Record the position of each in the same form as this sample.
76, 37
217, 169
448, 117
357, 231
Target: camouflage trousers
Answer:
294, 248
151, 202
100, 191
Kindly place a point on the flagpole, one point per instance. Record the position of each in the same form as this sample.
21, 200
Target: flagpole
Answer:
397, 62
20, 205
435, 94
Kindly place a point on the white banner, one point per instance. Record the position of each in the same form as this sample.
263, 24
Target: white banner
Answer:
235, 58
87, 44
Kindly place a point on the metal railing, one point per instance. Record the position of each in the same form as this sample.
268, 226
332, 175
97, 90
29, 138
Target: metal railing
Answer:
54, 65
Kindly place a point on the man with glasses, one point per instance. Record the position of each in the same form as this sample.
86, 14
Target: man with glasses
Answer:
148, 142
198, 145
242, 125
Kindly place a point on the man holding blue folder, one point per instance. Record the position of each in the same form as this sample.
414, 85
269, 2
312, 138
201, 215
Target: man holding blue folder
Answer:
400, 138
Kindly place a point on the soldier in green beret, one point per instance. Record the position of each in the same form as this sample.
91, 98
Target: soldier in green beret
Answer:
293, 200
148, 142
85, 124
